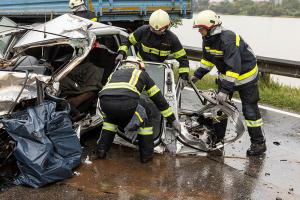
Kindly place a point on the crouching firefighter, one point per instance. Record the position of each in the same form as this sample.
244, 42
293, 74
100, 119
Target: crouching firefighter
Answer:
119, 101
155, 42
238, 71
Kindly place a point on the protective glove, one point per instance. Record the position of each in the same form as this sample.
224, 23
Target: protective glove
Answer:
176, 125
184, 83
222, 97
184, 76
119, 58
194, 79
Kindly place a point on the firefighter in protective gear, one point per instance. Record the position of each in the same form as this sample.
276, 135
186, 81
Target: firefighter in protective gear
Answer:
78, 8
119, 101
75, 3
155, 42
238, 71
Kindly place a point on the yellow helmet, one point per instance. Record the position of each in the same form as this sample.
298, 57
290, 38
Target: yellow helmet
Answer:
159, 20
207, 19
132, 62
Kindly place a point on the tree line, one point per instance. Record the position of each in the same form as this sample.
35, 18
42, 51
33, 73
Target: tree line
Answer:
251, 8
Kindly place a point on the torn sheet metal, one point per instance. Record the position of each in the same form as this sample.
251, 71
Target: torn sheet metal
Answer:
11, 83
197, 124
66, 26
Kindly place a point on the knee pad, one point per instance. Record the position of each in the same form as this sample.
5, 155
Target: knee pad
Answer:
251, 111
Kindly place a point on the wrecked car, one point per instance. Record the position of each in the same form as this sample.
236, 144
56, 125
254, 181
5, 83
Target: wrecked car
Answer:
66, 59
55, 53
46, 61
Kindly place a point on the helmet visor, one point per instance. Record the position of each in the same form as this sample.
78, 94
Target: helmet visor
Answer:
160, 31
131, 64
198, 26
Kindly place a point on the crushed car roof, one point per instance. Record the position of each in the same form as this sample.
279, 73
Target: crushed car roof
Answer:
66, 26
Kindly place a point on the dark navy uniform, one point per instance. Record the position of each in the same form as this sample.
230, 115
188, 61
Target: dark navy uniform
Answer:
156, 48
119, 100
238, 71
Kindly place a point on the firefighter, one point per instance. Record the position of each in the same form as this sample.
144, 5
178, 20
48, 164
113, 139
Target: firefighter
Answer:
155, 42
238, 71
78, 8
119, 101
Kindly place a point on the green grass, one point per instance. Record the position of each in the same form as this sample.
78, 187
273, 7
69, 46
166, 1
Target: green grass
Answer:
280, 96
271, 93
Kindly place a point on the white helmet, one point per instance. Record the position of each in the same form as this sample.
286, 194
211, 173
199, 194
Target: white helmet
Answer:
207, 19
75, 3
132, 62
159, 20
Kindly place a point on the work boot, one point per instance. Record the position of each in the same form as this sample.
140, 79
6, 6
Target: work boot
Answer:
105, 141
256, 149
101, 154
146, 159
216, 152
146, 147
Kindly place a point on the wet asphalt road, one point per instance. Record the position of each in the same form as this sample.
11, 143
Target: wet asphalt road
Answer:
233, 176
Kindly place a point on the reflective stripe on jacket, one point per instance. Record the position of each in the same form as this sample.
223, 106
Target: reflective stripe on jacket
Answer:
233, 58
131, 83
157, 48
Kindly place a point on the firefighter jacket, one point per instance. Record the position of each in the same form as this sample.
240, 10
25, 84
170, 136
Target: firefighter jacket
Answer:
233, 57
132, 82
156, 48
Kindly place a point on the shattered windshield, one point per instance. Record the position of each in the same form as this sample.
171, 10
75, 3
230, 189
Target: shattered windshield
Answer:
4, 41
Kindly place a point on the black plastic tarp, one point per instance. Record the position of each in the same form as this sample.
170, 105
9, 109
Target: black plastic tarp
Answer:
47, 148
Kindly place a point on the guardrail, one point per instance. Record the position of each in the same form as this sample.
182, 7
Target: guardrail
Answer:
266, 65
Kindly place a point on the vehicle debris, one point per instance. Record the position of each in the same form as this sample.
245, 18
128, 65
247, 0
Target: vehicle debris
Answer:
276, 143
38, 64
87, 161
76, 173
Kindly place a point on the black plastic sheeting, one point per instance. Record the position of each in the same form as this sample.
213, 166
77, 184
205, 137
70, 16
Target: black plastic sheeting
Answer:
47, 148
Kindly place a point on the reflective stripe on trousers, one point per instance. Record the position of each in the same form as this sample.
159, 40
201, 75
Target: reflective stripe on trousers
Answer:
145, 131
109, 127
254, 123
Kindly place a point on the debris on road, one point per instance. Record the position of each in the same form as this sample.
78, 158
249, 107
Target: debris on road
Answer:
76, 173
87, 161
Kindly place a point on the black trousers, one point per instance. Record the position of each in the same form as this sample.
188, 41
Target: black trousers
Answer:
249, 97
118, 112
